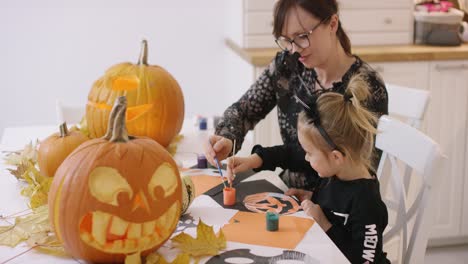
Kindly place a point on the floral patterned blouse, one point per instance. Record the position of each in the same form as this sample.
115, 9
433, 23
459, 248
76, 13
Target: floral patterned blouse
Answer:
276, 86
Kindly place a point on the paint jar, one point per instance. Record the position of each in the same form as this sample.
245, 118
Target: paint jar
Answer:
202, 163
229, 196
272, 221
203, 123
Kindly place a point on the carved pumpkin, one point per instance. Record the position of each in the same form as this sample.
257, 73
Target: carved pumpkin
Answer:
155, 100
55, 148
115, 196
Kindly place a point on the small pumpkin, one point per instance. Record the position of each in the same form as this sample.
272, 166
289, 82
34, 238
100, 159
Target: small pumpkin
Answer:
55, 148
188, 193
115, 196
155, 100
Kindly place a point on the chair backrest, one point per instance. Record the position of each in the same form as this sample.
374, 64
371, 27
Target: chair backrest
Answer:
408, 103
70, 114
403, 145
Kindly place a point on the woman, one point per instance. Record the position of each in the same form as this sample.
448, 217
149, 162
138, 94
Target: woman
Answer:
313, 30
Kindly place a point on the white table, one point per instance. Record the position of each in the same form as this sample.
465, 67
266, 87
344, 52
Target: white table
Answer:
317, 242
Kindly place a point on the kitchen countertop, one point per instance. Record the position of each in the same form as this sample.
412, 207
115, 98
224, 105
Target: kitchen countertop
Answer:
261, 57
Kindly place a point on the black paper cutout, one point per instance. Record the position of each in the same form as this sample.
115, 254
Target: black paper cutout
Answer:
245, 255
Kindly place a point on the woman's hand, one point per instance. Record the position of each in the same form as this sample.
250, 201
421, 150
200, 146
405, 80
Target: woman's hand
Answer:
316, 212
241, 164
217, 146
301, 194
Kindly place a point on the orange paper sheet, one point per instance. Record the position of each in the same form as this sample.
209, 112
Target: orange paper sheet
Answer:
250, 228
203, 183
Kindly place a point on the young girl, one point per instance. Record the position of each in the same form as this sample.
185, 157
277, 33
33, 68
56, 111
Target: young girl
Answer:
337, 134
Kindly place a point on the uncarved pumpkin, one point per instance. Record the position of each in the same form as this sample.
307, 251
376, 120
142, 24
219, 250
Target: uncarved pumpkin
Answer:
115, 196
188, 193
155, 101
55, 148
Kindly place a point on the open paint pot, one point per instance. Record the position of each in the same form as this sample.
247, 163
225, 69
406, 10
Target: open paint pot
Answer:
272, 221
229, 196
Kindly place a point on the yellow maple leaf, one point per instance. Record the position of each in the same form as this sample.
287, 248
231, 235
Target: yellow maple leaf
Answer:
46, 242
155, 258
25, 227
206, 243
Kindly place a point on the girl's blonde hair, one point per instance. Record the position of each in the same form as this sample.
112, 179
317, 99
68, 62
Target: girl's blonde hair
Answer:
348, 124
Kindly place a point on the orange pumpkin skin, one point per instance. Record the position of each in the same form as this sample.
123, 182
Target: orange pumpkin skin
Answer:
105, 186
55, 148
155, 100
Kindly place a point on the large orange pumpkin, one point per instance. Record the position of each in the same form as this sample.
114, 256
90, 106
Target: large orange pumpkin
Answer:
115, 196
55, 148
155, 100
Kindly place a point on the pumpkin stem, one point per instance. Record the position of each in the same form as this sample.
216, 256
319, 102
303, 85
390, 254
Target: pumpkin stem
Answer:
119, 133
112, 115
143, 60
63, 129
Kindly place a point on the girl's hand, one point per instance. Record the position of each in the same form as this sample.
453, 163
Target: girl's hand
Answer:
301, 194
316, 212
217, 146
241, 164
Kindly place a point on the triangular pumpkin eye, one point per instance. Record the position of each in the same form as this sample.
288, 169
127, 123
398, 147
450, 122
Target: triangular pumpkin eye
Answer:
106, 183
164, 177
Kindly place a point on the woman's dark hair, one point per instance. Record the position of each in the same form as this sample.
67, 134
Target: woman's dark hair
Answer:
321, 9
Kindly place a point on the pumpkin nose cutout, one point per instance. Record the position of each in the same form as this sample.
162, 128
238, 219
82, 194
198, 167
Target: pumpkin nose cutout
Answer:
140, 201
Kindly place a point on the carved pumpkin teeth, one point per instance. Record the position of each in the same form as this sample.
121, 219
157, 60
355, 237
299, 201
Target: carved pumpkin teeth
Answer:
99, 227
134, 231
118, 227
113, 234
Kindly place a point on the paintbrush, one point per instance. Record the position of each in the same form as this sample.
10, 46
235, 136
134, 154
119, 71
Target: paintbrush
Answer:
219, 168
232, 156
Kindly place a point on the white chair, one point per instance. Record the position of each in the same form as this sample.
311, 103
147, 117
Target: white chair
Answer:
69, 114
407, 103
409, 217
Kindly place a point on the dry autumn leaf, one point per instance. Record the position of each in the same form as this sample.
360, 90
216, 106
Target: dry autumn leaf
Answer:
24, 227
206, 243
26, 170
29, 153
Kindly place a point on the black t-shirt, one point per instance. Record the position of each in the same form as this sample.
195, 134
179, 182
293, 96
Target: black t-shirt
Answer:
358, 217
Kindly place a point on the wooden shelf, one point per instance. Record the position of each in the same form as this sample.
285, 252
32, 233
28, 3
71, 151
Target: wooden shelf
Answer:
262, 56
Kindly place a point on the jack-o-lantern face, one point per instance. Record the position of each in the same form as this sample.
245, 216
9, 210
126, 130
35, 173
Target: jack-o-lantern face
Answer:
111, 232
155, 100
110, 199
271, 202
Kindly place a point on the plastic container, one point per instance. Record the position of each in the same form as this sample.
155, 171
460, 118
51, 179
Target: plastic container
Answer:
438, 28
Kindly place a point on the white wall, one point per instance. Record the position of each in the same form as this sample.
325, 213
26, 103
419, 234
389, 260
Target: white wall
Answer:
54, 49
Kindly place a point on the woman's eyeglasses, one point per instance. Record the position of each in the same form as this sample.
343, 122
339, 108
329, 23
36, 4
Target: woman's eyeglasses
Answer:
301, 40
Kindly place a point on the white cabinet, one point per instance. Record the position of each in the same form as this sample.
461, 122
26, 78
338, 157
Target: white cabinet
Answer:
249, 23
367, 22
408, 74
446, 122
